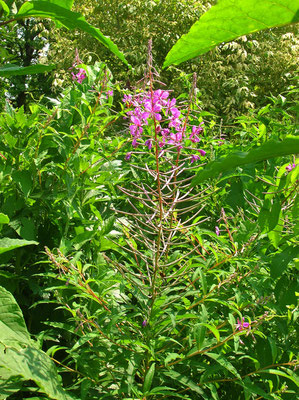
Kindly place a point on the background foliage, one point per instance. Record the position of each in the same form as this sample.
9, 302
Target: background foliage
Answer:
244, 72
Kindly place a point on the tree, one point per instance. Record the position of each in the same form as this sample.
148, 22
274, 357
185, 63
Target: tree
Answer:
24, 41
232, 79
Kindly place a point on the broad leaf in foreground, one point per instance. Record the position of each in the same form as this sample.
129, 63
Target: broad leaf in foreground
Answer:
7, 244
12, 324
270, 149
228, 20
19, 356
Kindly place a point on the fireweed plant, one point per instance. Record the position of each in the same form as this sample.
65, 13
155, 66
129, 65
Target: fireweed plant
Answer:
177, 302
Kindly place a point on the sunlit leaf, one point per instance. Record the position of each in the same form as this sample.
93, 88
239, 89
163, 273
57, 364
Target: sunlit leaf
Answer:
149, 378
4, 219
18, 354
270, 149
4, 6
228, 20
12, 324
7, 244
33, 364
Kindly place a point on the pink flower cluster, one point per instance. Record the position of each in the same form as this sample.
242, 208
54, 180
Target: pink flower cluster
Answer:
290, 167
79, 76
158, 109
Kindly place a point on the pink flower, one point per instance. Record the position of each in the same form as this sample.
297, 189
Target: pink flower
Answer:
242, 324
175, 112
128, 156
79, 76
290, 167
109, 93
170, 104
217, 230
153, 109
127, 99
170, 126
149, 144
194, 158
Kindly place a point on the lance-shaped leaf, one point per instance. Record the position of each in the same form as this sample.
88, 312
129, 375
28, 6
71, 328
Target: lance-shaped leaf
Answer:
67, 18
270, 149
13, 69
7, 244
228, 20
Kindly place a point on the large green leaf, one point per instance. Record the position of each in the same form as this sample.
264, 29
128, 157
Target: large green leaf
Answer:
13, 69
69, 19
280, 261
33, 364
7, 244
228, 20
270, 149
8, 384
62, 3
19, 357
4, 219
12, 324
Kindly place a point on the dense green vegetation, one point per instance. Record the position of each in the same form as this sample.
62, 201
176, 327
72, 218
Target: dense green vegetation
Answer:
148, 217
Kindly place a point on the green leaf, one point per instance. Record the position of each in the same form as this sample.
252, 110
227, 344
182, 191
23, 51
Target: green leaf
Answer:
273, 347
62, 3
275, 235
292, 376
3, 5
69, 19
171, 357
24, 179
220, 359
270, 149
199, 334
149, 378
285, 291
228, 20
252, 388
13, 69
12, 324
8, 384
165, 391
33, 364
4, 219
7, 244
186, 381
212, 329
18, 354
280, 261
269, 215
